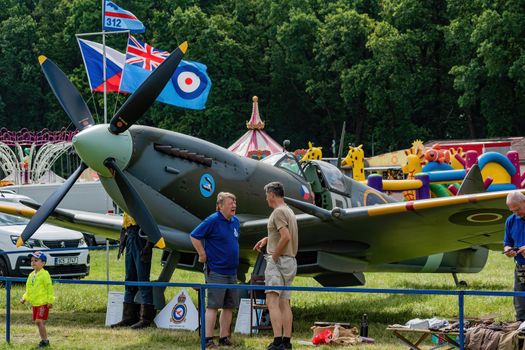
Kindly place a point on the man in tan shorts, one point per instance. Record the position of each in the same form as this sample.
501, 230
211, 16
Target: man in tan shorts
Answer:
281, 266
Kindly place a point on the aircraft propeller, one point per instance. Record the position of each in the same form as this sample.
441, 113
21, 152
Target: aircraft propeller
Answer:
49, 205
134, 107
136, 206
147, 93
66, 93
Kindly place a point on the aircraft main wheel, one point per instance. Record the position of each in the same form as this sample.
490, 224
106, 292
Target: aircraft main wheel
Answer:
462, 284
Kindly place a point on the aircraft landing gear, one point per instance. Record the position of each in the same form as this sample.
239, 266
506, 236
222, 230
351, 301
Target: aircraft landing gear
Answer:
165, 275
459, 284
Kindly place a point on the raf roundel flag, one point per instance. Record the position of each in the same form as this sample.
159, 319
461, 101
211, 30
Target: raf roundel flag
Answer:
191, 82
116, 18
189, 86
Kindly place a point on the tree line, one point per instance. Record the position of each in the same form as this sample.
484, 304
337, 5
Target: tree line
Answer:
394, 70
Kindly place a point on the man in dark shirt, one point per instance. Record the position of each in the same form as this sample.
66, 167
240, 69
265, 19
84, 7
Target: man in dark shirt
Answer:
514, 246
220, 256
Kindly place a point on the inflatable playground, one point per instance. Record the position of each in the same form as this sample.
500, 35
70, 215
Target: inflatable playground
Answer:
434, 172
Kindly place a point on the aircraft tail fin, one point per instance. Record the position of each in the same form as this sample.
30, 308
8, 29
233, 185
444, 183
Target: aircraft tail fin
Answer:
473, 182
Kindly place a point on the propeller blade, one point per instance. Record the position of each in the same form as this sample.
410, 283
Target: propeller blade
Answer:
49, 206
138, 103
66, 93
136, 206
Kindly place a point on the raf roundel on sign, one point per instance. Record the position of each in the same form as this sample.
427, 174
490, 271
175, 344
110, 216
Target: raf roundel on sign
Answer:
189, 82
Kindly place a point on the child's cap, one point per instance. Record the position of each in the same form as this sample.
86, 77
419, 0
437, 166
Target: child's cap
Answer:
39, 255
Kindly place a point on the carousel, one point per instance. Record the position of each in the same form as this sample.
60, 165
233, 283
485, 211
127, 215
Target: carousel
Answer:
255, 143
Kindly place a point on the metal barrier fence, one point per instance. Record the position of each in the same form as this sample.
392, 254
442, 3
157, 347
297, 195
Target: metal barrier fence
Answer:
203, 287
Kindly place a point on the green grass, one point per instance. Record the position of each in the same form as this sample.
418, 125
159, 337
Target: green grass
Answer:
77, 319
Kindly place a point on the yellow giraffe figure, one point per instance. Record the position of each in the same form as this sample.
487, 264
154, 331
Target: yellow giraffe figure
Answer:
356, 159
313, 153
413, 165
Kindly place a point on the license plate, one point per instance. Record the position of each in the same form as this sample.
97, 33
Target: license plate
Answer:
66, 260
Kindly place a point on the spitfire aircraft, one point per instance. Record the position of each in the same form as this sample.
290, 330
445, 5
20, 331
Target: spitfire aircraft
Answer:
169, 181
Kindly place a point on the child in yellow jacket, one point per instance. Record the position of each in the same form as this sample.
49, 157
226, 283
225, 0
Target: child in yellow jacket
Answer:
39, 293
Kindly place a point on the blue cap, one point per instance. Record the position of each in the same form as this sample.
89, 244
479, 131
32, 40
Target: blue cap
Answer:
39, 255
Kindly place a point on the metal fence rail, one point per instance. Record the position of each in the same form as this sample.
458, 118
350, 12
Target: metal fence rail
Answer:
203, 287
461, 294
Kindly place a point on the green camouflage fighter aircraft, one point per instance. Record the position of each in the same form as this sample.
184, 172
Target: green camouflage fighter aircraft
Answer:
169, 181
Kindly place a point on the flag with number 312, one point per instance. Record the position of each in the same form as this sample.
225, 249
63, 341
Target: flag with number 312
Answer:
116, 18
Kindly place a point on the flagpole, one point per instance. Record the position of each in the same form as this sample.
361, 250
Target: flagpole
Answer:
104, 63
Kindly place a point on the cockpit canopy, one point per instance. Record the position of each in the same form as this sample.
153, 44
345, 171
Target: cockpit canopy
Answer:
330, 175
285, 161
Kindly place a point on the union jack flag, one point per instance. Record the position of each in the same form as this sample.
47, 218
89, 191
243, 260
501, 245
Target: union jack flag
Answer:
144, 55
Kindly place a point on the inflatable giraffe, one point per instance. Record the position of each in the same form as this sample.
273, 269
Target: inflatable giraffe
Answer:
313, 153
413, 165
356, 159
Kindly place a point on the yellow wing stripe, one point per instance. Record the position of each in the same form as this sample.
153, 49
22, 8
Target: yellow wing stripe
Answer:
20, 211
433, 203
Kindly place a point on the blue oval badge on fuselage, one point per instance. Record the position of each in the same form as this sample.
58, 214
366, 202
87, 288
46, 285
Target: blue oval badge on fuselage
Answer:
207, 185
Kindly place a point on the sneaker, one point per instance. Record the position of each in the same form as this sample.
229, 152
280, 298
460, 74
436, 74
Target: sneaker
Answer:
210, 344
272, 346
225, 341
43, 343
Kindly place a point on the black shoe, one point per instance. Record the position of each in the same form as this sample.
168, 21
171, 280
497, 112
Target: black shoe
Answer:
210, 344
272, 346
225, 341
287, 346
43, 343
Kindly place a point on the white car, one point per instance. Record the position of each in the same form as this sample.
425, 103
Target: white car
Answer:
60, 264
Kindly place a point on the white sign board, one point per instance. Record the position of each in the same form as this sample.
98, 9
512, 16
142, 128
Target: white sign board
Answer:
114, 308
242, 324
180, 313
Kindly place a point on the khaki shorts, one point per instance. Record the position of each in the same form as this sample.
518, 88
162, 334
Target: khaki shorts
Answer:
281, 273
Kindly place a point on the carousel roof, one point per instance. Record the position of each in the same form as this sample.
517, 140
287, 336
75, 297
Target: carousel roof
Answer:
255, 139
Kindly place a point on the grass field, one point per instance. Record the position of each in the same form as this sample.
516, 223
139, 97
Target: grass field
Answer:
77, 319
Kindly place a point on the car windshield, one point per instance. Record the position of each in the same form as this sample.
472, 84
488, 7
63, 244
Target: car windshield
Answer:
8, 220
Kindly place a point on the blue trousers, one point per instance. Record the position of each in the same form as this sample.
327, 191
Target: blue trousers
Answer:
136, 269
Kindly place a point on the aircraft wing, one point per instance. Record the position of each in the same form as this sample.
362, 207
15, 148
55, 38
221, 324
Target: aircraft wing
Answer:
104, 225
399, 231
99, 224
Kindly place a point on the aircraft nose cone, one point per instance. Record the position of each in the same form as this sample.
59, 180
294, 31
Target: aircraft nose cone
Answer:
95, 144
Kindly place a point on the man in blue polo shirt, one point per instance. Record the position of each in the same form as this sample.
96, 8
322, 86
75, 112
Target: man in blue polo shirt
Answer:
514, 246
220, 256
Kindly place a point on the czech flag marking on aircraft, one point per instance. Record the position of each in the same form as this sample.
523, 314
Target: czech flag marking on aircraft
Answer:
305, 193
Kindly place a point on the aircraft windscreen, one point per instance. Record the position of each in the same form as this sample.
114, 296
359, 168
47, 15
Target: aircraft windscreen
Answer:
273, 159
285, 161
333, 176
